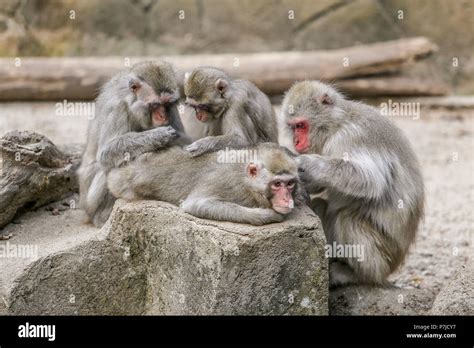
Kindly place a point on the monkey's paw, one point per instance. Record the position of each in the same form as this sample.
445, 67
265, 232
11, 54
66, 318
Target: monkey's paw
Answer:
311, 168
198, 148
266, 216
164, 135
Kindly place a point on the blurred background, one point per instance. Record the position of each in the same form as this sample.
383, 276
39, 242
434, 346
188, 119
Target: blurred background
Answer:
153, 28
442, 135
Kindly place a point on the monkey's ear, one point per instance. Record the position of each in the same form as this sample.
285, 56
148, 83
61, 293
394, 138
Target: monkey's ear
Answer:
222, 85
252, 170
327, 100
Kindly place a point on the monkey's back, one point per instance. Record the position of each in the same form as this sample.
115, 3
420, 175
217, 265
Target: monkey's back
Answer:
257, 106
381, 141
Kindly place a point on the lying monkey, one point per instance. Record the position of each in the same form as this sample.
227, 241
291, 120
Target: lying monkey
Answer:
257, 193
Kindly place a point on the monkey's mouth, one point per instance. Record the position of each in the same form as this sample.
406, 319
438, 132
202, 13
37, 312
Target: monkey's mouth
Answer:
301, 146
201, 116
159, 116
282, 210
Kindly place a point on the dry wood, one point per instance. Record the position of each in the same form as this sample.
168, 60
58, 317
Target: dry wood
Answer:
34, 172
274, 72
391, 86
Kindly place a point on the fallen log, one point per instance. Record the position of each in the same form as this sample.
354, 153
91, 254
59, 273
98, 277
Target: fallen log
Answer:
34, 172
391, 86
79, 78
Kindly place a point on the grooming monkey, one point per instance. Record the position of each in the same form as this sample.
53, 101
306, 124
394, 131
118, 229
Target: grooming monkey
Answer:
257, 193
371, 176
235, 112
135, 113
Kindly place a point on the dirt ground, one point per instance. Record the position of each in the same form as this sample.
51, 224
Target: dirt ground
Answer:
444, 143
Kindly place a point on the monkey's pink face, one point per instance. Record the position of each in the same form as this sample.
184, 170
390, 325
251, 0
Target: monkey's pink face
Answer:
279, 189
202, 112
159, 115
157, 105
300, 127
282, 200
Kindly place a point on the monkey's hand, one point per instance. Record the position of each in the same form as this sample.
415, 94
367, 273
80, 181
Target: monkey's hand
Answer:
200, 147
312, 171
162, 136
264, 216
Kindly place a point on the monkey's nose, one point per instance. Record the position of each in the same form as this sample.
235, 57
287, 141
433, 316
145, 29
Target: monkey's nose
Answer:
165, 99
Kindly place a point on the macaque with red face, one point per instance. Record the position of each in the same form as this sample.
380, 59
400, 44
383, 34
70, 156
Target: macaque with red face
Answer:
233, 112
369, 173
260, 192
136, 112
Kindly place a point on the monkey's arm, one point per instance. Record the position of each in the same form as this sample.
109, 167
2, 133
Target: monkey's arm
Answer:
216, 209
128, 146
215, 143
367, 178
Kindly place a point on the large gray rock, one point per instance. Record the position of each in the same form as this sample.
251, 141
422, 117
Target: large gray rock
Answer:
150, 258
457, 298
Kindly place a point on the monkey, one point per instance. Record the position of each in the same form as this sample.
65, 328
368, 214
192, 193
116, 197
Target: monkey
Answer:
136, 112
235, 112
260, 190
370, 175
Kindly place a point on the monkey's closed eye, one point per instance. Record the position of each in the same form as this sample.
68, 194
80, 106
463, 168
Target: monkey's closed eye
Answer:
291, 184
203, 107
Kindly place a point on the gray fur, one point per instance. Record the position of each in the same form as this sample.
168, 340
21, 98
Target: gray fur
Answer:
372, 179
241, 116
122, 129
205, 187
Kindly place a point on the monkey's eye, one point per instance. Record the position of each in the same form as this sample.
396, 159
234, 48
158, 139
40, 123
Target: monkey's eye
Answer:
134, 85
300, 125
290, 184
276, 185
203, 107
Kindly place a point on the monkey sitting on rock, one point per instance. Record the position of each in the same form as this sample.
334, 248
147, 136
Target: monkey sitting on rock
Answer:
235, 113
370, 173
259, 192
136, 112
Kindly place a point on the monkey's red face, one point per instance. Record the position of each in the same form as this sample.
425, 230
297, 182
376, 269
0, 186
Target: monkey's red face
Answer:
202, 112
156, 105
300, 127
282, 199
159, 115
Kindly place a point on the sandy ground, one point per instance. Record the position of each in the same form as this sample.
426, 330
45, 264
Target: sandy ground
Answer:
443, 141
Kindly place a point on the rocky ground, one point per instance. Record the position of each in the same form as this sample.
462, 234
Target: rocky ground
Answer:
443, 141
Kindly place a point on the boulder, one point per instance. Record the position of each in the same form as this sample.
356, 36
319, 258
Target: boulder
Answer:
151, 258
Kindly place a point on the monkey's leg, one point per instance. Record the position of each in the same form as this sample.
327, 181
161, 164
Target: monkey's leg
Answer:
130, 145
215, 209
373, 257
103, 212
341, 274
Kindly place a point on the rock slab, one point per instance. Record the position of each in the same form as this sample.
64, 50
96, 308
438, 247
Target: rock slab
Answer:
151, 258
